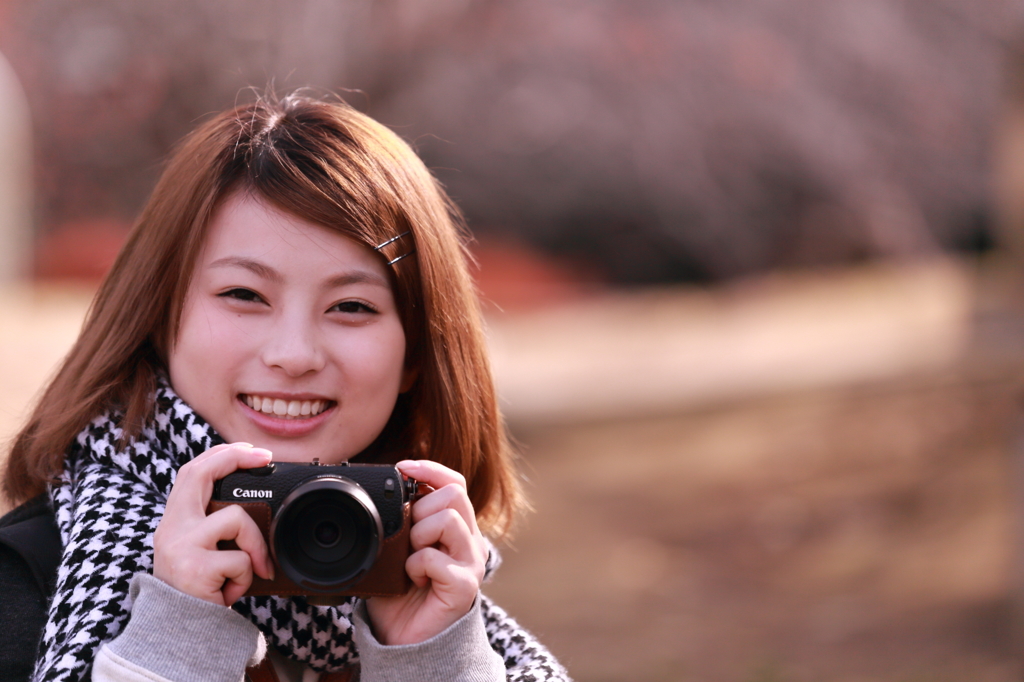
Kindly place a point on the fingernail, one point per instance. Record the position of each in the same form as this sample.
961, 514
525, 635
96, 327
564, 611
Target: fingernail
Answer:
245, 445
264, 453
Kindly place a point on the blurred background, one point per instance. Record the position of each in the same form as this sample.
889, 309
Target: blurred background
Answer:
753, 274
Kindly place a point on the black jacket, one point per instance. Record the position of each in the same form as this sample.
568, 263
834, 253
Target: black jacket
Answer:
30, 551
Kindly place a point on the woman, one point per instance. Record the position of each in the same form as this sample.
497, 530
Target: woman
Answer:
295, 288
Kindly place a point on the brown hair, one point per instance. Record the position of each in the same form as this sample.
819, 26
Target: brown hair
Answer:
329, 164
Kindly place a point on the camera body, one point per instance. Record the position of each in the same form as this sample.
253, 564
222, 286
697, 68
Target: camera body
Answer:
333, 530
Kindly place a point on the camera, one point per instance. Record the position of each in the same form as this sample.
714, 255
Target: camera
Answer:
333, 530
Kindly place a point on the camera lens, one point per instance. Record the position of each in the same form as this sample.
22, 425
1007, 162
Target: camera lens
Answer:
326, 533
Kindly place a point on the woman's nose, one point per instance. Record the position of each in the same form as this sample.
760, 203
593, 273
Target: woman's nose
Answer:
294, 348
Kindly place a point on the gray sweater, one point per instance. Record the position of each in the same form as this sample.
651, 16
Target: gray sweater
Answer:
174, 636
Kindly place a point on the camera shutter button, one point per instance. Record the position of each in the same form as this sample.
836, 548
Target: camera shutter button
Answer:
263, 471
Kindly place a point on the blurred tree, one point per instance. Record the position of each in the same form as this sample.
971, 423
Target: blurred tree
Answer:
658, 139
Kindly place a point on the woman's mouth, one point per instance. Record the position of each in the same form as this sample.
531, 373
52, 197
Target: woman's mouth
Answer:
286, 409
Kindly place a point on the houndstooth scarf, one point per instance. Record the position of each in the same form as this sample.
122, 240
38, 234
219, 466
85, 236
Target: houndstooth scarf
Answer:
108, 505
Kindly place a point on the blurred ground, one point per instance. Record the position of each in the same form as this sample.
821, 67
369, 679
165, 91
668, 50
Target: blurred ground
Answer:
816, 484
793, 478
834, 535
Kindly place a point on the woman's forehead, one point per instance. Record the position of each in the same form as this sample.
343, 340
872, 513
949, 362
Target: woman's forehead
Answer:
247, 231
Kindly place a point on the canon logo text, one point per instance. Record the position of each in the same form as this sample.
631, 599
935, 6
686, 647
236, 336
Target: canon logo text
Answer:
242, 492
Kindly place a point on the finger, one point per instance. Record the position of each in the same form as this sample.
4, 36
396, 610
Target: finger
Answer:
432, 473
441, 478
446, 575
193, 484
222, 460
448, 497
215, 451
232, 523
202, 573
447, 529
423, 565
235, 570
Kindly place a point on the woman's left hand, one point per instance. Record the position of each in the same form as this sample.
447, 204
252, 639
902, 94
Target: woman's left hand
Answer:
447, 563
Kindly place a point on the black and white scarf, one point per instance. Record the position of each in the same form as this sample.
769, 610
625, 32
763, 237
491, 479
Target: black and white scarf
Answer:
108, 505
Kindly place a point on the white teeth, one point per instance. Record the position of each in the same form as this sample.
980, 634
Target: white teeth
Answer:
289, 409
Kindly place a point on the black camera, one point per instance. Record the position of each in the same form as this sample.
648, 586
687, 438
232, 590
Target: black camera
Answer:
332, 530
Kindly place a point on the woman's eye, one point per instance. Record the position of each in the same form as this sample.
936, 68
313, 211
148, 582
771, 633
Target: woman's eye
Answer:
352, 307
241, 294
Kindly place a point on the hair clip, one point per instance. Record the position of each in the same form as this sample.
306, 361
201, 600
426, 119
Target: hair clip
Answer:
395, 239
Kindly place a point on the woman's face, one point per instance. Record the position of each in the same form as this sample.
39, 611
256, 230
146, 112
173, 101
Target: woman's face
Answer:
289, 338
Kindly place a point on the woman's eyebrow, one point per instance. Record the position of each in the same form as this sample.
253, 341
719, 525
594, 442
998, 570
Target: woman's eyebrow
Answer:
357, 277
266, 272
259, 269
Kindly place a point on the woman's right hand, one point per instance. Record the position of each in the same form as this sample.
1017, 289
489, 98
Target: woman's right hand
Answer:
185, 543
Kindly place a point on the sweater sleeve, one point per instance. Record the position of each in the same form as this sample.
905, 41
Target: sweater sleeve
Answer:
460, 653
174, 636
485, 645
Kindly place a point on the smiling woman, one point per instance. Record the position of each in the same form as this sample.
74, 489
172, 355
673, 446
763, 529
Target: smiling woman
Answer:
297, 317
295, 290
